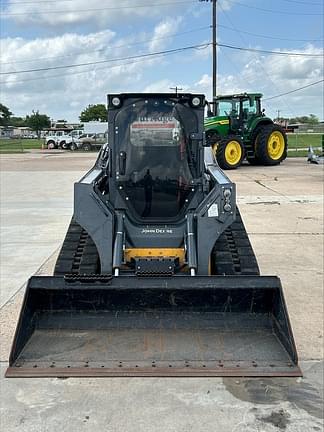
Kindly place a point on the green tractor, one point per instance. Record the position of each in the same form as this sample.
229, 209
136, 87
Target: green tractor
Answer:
241, 130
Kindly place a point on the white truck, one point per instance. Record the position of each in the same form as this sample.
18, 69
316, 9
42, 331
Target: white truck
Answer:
61, 138
93, 137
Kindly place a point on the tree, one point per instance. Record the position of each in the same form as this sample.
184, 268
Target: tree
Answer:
96, 112
5, 115
38, 122
17, 121
311, 119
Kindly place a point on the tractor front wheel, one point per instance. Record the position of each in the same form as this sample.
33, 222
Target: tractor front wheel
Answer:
229, 153
271, 146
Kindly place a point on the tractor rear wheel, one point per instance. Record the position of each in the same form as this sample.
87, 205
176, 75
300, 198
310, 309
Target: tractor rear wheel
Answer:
229, 152
271, 145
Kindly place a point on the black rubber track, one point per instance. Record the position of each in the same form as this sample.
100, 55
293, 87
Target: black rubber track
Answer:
78, 254
233, 253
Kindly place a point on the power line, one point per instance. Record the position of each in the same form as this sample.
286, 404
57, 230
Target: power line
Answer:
234, 66
156, 53
61, 1
148, 55
107, 60
258, 64
295, 90
74, 72
303, 3
88, 70
98, 9
269, 52
141, 60
154, 39
112, 47
272, 10
38, 1
267, 36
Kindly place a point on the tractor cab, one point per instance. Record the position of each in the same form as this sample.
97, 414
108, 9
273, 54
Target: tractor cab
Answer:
241, 109
156, 153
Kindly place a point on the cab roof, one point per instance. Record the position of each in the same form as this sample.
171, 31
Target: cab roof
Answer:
240, 96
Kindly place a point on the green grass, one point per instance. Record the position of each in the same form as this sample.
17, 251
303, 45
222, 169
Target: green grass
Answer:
295, 141
19, 145
303, 141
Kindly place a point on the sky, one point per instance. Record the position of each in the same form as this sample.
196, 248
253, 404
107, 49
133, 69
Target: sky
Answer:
114, 34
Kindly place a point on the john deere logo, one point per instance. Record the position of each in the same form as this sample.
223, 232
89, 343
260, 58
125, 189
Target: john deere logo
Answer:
157, 231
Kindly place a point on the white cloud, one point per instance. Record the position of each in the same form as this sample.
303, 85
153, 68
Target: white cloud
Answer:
164, 29
68, 93
205, 7
83, 11
164, 86
272, 75
51, 49
70, 90
280, 74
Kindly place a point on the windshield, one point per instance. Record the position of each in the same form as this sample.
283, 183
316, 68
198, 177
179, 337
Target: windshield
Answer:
250, 108
228, 108
155, 160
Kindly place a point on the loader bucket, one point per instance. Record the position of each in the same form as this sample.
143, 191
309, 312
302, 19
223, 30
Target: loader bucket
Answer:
150, 326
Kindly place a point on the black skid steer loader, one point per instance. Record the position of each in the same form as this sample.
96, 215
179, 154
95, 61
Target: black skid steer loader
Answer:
156, 276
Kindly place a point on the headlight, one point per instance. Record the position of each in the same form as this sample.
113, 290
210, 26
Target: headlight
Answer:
116, 101
227, 198
195, 101
227, 193
227, 207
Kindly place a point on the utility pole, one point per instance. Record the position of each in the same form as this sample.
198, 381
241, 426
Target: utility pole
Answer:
214, 49
214, 45
176, 88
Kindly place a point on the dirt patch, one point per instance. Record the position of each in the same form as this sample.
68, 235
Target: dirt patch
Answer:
279, 419
306, 393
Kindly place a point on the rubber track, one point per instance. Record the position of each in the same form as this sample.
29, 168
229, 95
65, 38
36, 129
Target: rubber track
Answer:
233, 253
78, 254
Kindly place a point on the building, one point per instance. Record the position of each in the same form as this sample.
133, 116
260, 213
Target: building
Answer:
22, 132
6, 131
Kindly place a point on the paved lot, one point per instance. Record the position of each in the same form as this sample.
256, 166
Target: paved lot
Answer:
283, 211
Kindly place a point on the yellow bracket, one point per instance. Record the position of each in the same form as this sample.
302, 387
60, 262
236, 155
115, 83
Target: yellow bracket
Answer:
133, 253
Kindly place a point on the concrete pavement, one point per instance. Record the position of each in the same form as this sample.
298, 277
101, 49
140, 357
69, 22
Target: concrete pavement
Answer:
282, 208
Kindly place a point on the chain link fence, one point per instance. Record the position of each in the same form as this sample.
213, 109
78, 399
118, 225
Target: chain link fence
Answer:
299, 142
